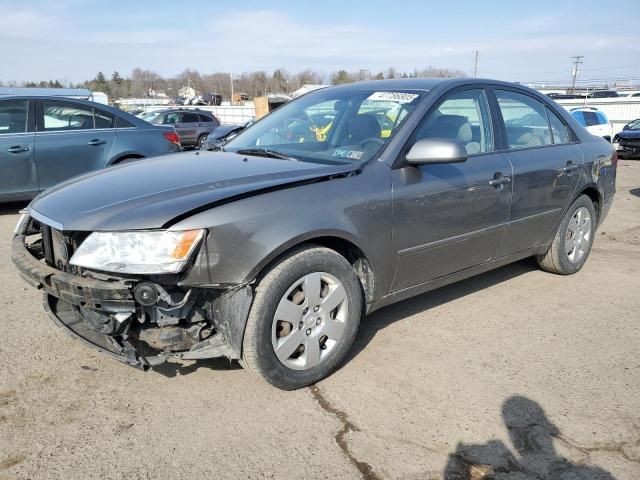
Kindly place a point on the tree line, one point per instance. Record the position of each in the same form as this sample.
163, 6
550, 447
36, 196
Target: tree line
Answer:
147, 83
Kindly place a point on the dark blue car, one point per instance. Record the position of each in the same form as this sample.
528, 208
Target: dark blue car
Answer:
44, 140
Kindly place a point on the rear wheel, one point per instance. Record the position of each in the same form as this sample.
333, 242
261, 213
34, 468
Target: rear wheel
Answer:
572, 244
304, 318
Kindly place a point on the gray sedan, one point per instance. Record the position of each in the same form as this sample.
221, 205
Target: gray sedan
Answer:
45, 140
340, 202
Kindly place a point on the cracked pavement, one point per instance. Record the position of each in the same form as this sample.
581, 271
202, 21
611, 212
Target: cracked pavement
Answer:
515, 373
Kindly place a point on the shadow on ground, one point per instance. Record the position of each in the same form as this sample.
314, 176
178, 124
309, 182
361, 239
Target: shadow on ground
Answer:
635, 192
173, 369
12, 208
534, 457
380, 319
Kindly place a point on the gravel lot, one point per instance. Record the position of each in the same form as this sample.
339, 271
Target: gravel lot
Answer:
515, 371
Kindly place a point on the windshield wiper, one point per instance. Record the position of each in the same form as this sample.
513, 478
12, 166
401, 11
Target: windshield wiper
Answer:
265, 152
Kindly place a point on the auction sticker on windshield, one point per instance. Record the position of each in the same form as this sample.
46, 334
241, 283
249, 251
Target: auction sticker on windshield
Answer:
399, 97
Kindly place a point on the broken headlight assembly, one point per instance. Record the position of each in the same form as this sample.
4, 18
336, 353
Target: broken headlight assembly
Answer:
137, 252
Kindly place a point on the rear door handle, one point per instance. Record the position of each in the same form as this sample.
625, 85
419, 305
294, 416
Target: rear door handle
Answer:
499, 180
570, 167
17, 149
96, 141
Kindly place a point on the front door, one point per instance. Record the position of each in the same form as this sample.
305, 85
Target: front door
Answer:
18, 177
451, 216
68, 142
546, 167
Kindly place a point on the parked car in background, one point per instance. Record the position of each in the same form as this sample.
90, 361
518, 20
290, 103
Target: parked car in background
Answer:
45, 140
192, 125
212, 99
603, 94
627, 141
222, 134
563, 96
595, 121
273, 250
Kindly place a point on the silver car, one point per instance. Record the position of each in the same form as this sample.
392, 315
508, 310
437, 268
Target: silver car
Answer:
45, 140
192, 125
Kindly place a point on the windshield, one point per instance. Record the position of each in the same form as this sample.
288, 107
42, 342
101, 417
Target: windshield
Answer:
329, 126
635, 125
149, 116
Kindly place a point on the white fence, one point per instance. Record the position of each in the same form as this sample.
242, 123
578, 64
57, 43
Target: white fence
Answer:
619, 110
227, 114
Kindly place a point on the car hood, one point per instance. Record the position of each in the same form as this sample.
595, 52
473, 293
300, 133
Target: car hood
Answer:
151, 193
629, 134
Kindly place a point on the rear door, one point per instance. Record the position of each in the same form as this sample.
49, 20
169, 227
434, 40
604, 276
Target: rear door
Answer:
71, 138
546, 166
18, 177
187, 127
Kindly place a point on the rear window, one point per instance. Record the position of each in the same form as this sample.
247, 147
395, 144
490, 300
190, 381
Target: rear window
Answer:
190, 118
589, 119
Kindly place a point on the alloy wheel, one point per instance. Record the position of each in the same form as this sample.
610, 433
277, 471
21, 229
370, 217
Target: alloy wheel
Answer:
309, 321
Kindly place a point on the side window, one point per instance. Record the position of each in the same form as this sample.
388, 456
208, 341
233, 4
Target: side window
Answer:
462, 117
122, 123
171, 118
66, 116
104, 119
559, 129
188, 117
525, 120
13, 116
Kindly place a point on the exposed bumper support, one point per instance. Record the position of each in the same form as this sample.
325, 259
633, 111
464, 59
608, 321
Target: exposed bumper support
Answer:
109, 296
68, 298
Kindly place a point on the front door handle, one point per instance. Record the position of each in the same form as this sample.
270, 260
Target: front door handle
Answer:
570, 167
17, 149
498, 180
96, 141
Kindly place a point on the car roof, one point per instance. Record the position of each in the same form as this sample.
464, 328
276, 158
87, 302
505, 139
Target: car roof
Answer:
425, 83
126, 116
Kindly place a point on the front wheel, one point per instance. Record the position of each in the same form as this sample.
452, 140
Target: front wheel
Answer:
304, 318
201, 141
572, 244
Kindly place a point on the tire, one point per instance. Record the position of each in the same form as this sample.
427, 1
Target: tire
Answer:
288, 291
201, 140
573, 240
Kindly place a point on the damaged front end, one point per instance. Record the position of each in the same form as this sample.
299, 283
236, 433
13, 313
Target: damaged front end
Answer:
140, 319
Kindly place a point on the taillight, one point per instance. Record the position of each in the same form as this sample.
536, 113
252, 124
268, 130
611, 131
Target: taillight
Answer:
172, 137
614, 158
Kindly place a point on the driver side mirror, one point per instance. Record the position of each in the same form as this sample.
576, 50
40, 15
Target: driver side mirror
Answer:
436, 150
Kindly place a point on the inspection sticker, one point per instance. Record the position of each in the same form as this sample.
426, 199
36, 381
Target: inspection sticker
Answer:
350, 154
399, 97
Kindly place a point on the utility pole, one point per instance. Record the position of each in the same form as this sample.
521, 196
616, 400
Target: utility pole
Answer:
475, 67
231, 80
577, 60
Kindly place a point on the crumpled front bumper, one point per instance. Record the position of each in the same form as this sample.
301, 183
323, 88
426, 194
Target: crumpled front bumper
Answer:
110, 296
68, 298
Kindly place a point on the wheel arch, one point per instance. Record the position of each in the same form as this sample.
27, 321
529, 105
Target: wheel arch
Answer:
591, 191
117, 159
340, 242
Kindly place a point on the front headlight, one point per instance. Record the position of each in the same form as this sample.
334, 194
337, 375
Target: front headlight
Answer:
148, 252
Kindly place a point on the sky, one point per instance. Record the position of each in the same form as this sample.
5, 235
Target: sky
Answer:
71, 40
